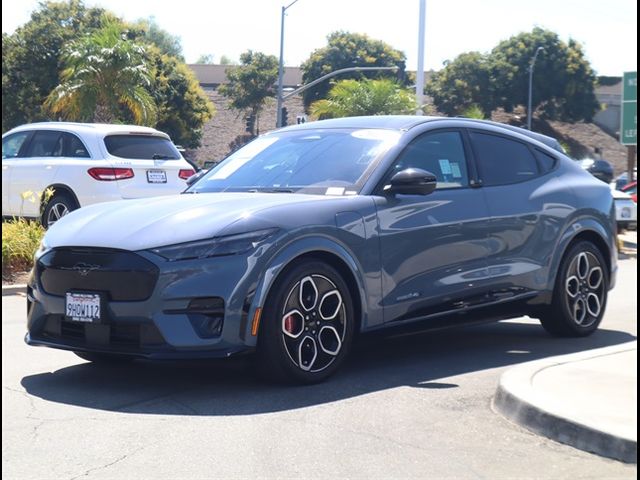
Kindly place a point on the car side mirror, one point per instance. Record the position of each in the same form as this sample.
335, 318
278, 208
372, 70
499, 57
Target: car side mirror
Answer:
412, 181
195, 177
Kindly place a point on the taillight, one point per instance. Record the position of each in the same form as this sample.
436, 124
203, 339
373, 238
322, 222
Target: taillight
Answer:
108, 174
185, 173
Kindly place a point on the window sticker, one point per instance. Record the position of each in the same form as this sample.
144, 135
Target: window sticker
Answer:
334, 191
455, 170
445, 166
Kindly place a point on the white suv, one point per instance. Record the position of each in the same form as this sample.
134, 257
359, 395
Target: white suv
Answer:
86, 163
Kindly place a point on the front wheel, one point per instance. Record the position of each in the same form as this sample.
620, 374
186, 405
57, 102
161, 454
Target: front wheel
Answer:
580, 293
307, 325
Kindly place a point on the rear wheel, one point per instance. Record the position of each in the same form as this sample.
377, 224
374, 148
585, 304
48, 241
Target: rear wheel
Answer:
580, 293
57, 207
307, 325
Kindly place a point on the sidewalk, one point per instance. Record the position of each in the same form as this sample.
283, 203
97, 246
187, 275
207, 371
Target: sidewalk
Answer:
587, 400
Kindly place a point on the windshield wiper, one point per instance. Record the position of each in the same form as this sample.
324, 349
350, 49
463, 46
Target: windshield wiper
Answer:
158, 156
270, 190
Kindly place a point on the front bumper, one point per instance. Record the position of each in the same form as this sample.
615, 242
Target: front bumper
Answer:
160, 326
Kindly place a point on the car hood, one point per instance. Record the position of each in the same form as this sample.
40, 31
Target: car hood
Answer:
151, 222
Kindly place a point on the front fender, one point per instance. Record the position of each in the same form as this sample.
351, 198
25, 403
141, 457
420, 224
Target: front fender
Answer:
294, 250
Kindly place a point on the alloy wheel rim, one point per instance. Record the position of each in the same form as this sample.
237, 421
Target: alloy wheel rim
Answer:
313, 323
56, 212
585, 289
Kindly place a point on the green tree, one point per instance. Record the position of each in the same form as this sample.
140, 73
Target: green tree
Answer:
251, 83
349, 98
148, 31
105, 79
226, 60
563, 81
463, 83
206, 59
183, 107
30, 57
345, 50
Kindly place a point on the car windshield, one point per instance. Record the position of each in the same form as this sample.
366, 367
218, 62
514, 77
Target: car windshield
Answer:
333, 162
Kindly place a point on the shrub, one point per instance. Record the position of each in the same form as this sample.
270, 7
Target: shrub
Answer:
20, 240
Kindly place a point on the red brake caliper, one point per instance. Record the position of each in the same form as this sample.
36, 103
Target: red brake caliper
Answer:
289, 324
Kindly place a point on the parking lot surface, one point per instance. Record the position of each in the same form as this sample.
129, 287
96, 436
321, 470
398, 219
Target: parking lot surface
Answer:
403, 407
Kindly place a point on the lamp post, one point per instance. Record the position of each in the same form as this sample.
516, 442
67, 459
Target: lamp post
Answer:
281, 66
420, 72
531, 66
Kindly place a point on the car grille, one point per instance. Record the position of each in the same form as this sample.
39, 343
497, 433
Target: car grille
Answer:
132, 337
122, 275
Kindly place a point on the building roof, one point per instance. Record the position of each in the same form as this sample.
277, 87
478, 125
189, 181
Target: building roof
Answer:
213, 75
609, 89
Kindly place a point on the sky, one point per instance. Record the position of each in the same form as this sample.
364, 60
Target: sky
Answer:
606, 28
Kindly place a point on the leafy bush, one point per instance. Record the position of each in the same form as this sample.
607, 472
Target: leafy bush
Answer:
20, 240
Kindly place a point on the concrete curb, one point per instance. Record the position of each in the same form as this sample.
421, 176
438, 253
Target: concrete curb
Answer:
14, 289
517, 400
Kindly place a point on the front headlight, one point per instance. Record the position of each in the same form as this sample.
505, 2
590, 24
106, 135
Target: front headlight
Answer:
42, 249
214, 247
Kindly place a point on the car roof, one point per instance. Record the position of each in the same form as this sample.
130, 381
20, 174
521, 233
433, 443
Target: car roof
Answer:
407, 122
92, 128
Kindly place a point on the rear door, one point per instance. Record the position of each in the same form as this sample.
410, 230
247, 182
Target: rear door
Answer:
527, 205
156, 164
35, 172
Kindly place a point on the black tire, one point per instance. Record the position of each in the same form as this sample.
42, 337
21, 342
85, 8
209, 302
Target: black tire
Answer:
104, 358
57, 207
580, 293
325, 328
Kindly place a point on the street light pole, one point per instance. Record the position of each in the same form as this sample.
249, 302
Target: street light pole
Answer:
333, 74
420, 72
281, 66
531, 66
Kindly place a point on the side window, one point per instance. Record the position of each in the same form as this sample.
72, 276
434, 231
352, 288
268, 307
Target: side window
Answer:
74, 147
502, 161
12, 144
545, 161
46, 143
441, 153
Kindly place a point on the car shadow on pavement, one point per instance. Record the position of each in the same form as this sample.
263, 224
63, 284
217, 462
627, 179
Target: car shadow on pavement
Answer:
229, 387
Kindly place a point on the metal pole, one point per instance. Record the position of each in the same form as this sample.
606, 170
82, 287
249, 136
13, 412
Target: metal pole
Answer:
281, 67
420, 73
333, 74
280, 72
533, 62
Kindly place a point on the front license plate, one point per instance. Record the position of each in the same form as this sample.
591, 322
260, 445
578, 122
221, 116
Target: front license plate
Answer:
156, 176
83, 307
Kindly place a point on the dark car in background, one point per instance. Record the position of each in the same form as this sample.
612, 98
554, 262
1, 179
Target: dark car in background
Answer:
313, 233
601, 169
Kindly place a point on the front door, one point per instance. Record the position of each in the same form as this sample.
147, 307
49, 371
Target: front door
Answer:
35, 172
433, 247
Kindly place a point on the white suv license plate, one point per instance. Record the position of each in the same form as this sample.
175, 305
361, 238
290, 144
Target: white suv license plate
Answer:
156, 176
83, 307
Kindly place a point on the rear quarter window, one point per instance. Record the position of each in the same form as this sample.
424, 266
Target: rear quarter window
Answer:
545, 161
141, 147
501, 160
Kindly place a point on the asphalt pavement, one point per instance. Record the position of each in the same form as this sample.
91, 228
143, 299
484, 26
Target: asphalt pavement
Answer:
415, 406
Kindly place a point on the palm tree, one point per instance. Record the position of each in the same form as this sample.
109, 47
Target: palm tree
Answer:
105, 78
350, 98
